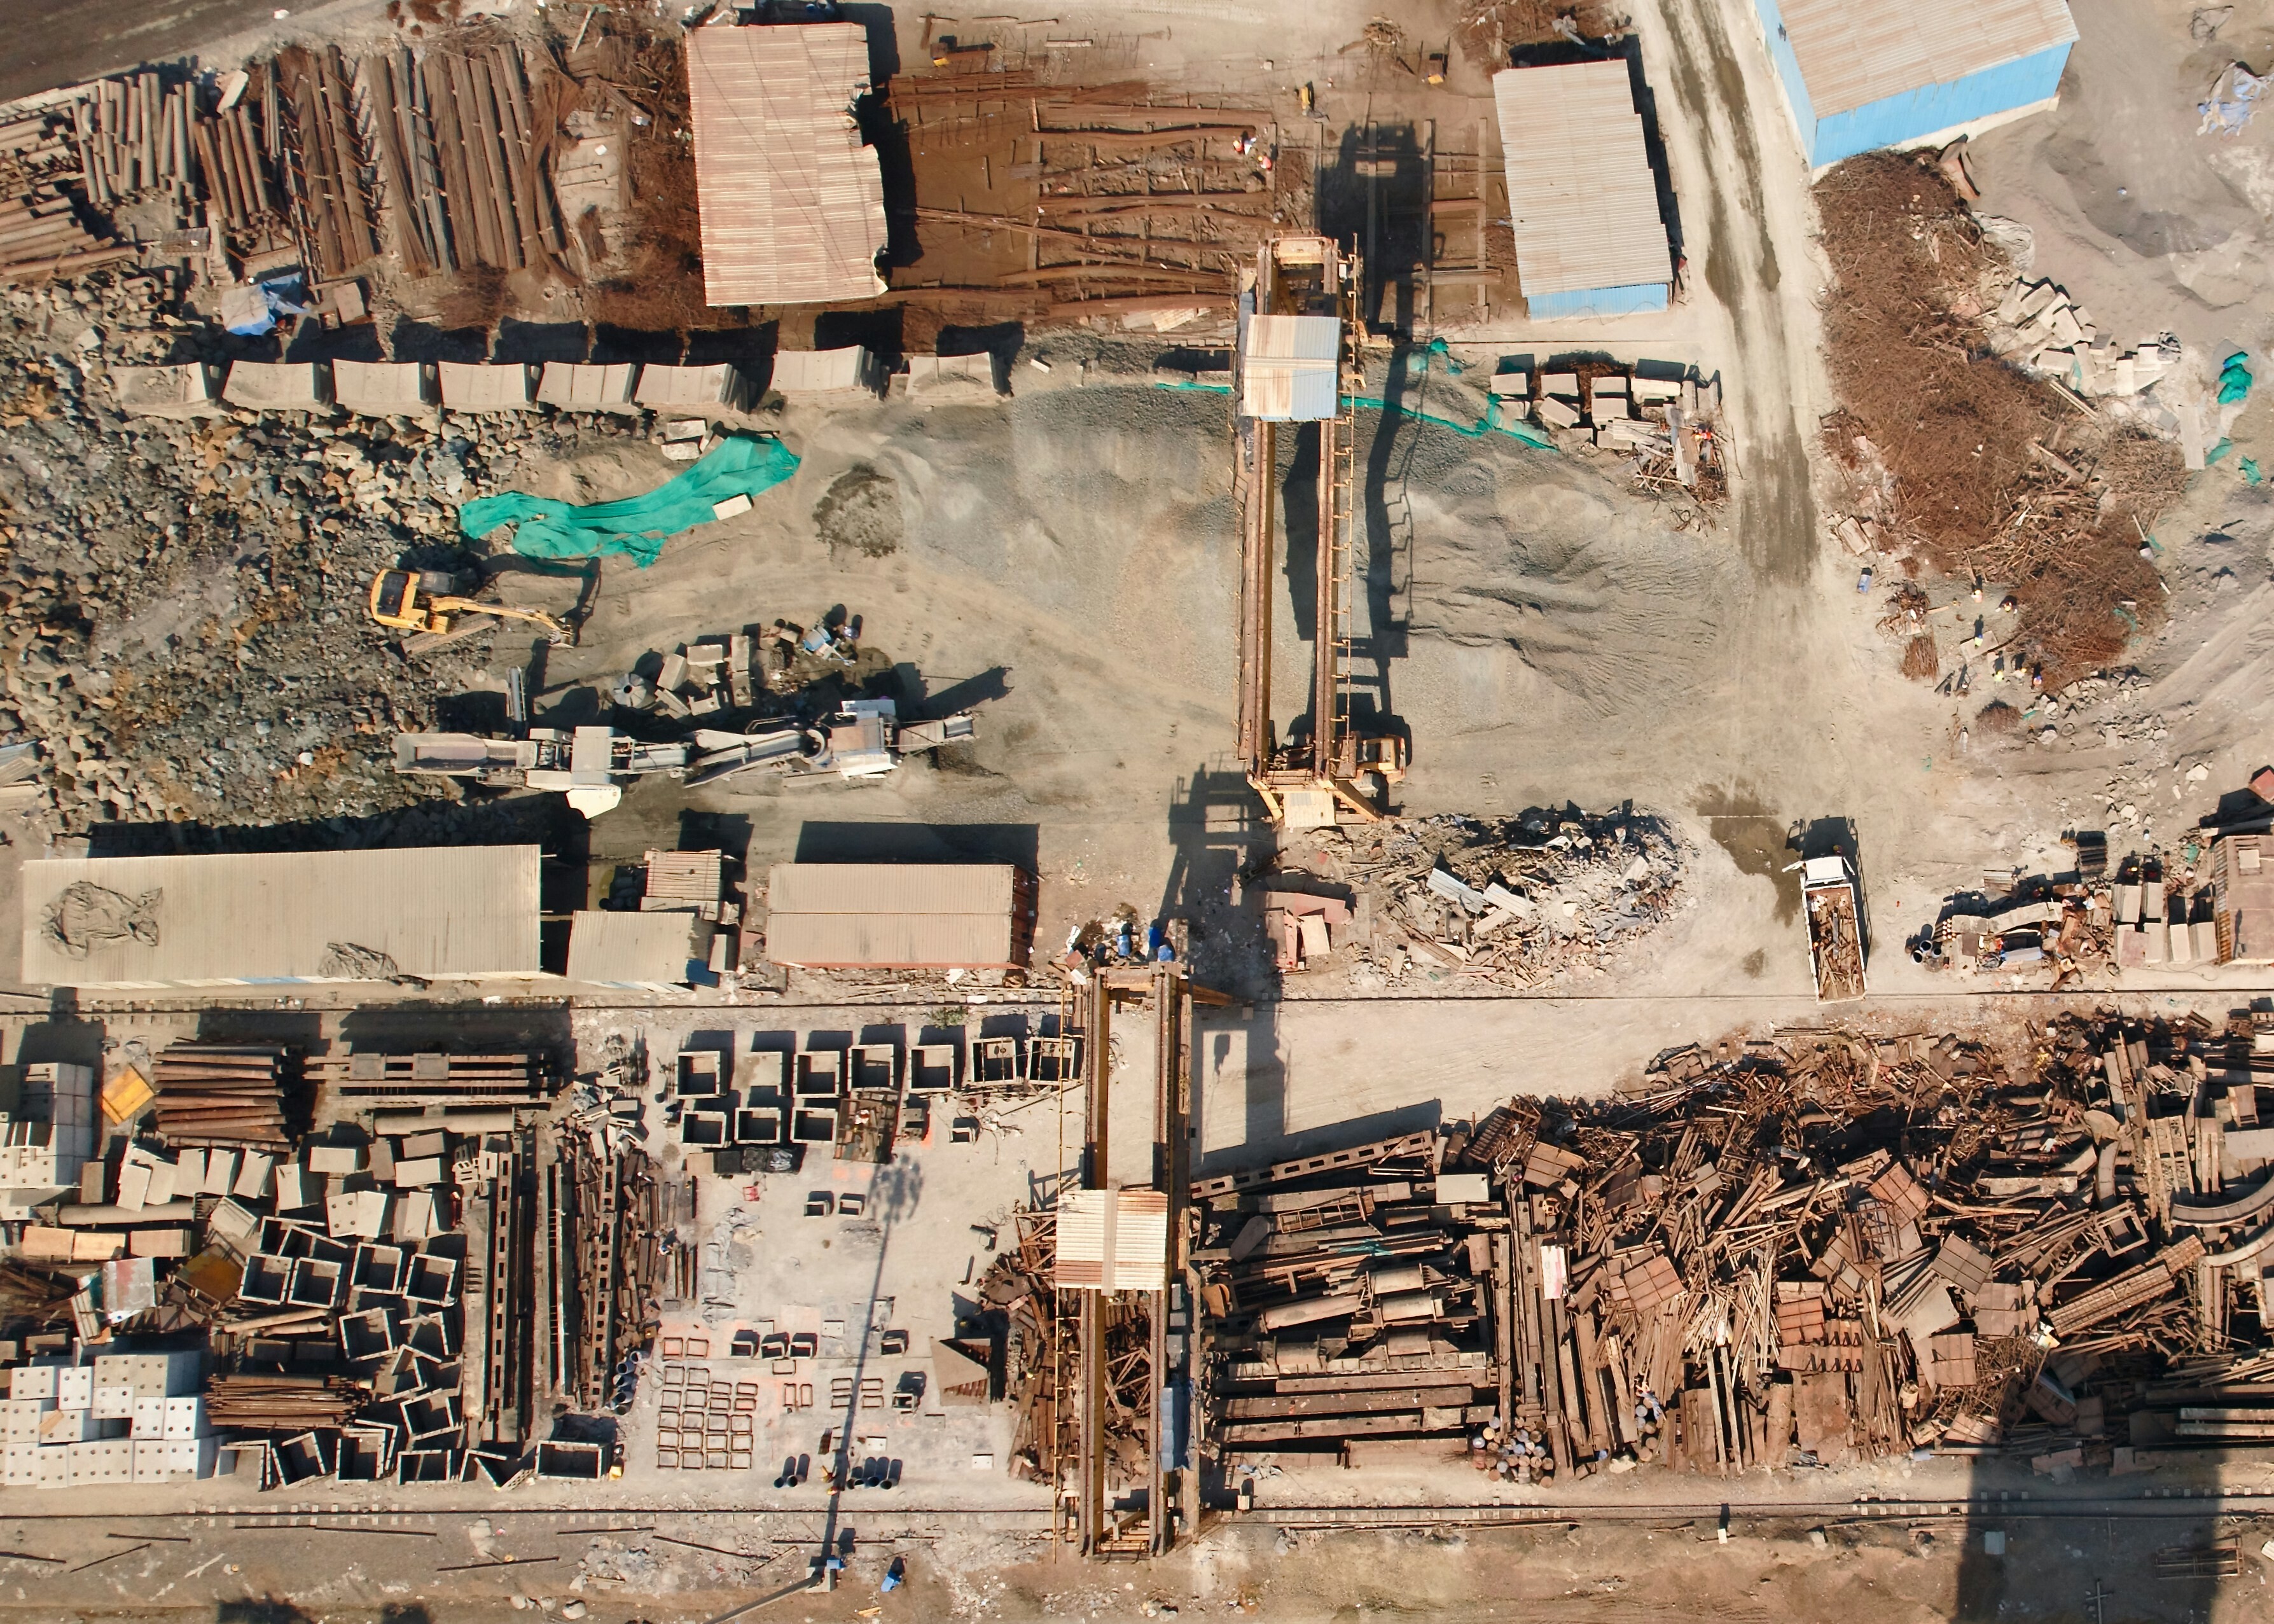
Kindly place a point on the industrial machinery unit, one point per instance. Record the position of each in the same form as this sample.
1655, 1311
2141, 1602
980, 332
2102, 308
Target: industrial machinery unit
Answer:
1296, 361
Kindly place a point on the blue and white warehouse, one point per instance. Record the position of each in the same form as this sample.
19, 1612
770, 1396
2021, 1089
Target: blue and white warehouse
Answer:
1863, 74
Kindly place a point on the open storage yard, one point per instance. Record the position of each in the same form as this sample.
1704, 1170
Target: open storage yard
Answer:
1256, 809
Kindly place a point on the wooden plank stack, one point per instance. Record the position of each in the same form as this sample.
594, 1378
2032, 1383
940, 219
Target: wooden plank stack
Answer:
324, 162
219, 1093
459, 139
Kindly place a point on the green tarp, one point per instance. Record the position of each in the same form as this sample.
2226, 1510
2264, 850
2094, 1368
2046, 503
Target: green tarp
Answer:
2233, 378
638, 526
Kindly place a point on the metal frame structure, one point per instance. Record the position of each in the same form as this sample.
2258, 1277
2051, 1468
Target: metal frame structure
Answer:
1171, 991
1303, 275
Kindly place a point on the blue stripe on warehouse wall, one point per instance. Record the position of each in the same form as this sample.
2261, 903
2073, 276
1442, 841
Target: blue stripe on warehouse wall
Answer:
1788, 67
1894, 120
1635, 299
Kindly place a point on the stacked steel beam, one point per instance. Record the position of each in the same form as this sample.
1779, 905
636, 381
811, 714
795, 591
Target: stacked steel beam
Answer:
460, 138
40, 231
217, 1094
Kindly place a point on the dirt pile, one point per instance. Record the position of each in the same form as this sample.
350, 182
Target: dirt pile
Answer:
1971, 467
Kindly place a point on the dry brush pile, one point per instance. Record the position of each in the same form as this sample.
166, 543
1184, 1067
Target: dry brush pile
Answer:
1986, 472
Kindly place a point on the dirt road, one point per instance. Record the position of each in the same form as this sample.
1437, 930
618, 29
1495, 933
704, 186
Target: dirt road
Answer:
53, 42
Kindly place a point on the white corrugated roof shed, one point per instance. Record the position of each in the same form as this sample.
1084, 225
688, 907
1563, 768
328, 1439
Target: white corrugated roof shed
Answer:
471, 386
690, 387
278, 386
576, 386
894, 915
1289, 369
820, 371
1139, 1221
380, 388
1579, 187
636, 949
1855, 52
435, 911
792, 204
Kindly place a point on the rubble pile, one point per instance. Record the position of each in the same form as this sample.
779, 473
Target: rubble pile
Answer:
1466, 903
2160, 386
182, 610
1808, 1250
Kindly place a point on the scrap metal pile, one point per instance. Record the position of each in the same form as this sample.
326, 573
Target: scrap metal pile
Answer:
392, 1299
1812, 1250
1470, 904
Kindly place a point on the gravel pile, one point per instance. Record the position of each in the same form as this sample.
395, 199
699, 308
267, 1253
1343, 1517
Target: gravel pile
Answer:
182, 620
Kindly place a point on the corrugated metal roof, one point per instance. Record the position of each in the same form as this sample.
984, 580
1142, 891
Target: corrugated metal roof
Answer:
1288, 370
792, 204
1580, 185
635, 949
892, 888
435, 911
1140, 1240
1856, 52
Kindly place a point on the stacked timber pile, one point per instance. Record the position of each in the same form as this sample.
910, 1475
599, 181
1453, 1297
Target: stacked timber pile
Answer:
251, 1401
325, 163
41, 232
1469, 905
220, 1093
461, 137
1810, 1251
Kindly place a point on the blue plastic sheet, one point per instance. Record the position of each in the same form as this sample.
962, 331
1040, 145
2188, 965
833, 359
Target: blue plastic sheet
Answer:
638, 527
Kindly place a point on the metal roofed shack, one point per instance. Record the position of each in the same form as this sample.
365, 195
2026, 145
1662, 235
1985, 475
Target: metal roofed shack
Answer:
792, 204
1589, 240
1863, 74
897, 916
434, 912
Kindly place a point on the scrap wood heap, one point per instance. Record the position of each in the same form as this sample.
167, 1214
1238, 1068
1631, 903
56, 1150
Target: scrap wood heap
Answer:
1813, 1249
1475, 902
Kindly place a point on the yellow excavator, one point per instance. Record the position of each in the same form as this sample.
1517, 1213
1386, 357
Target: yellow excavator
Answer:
409, 600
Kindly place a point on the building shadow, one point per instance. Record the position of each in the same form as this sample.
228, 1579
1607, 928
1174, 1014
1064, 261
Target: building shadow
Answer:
1018, 845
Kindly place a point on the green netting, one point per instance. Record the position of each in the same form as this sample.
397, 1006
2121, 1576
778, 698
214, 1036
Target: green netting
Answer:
638, 526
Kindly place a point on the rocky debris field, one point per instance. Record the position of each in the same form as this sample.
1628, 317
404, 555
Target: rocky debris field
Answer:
182, 602
1453, 904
